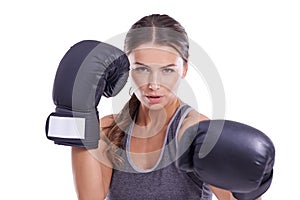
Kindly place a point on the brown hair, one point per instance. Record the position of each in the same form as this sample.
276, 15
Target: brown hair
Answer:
158, 29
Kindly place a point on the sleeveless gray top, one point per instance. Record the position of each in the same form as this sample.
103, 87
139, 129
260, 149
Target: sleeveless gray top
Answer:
164, 181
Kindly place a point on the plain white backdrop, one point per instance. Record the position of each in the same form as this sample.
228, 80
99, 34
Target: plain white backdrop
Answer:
255, 46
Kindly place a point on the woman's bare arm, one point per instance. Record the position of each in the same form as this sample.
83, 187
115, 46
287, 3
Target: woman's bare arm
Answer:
91, 177
223, 194
92, 170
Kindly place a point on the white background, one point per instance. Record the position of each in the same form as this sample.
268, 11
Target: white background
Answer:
255, 46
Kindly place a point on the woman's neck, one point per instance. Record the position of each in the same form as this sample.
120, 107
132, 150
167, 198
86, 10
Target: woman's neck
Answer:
153, 121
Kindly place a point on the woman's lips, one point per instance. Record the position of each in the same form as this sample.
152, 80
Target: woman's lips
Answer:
153, 98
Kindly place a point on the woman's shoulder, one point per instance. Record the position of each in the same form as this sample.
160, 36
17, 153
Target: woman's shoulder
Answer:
107, 120
196, 116
192, 118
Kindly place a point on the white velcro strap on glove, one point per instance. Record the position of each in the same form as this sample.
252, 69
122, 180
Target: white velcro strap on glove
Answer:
66, 127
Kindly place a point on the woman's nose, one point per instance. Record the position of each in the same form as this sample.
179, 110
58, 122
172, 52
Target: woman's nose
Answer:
154, 82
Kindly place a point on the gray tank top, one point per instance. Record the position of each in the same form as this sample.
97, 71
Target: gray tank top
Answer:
164, 181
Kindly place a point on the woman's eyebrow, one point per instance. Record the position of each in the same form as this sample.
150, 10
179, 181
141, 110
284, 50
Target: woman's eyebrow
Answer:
139, 63
169, 65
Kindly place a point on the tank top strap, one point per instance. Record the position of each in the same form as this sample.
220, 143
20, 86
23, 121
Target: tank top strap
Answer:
170, 146
176, 122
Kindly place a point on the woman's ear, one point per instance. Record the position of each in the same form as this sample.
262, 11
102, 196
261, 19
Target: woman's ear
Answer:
185, 68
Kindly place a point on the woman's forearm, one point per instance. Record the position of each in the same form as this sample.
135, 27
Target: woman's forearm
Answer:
87, 175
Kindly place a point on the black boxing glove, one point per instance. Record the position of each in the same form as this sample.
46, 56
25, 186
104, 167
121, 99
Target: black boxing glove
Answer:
88, 70
228, 155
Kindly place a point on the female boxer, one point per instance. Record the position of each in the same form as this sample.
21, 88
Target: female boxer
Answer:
136, 154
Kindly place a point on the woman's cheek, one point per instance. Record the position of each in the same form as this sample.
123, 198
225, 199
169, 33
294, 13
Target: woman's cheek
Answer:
171, 83
138, 86
138, 81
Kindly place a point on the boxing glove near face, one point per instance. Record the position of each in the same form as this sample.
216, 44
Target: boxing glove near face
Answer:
228, 155
88, 70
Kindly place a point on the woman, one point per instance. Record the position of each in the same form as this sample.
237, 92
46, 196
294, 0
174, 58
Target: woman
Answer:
137, 150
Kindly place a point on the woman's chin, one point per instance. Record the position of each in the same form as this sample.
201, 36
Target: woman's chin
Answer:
154, 106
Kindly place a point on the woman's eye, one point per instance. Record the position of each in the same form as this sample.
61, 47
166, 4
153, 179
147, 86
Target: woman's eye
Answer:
141, 69
168, 70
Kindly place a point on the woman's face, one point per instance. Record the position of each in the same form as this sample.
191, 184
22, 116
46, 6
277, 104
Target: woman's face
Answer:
156, 72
